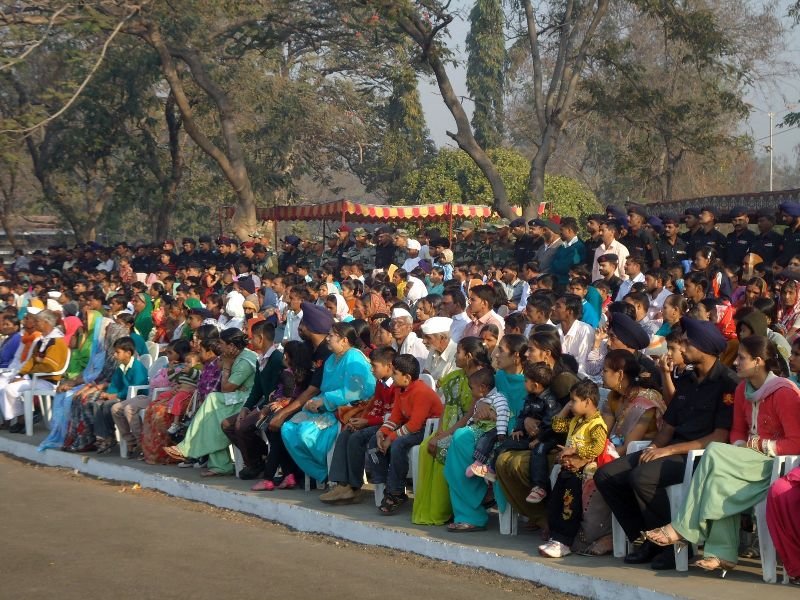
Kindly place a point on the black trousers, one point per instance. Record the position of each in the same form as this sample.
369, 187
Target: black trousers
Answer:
347, 466
565, 507
635, 491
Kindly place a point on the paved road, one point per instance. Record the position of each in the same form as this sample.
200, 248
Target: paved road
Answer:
73, 538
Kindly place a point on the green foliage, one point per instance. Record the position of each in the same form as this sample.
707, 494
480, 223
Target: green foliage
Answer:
452, 176
486, 71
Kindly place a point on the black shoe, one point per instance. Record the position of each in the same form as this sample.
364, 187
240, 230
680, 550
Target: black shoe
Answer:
642, 553
665, 561
251, 473
17, 428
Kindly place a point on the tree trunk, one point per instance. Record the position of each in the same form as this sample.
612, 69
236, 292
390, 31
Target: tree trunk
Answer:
535, 191
169, 184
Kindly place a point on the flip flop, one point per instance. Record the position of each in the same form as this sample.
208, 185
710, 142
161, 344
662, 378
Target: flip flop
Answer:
464, 528
265, 485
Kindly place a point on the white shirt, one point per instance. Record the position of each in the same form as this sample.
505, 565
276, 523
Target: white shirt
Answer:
290, 332
440, 364
577, 341
411, 264
413, 345
625, 286
657, 304
613, 248
460, 321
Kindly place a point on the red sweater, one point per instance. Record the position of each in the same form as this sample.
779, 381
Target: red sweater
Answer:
412, 407
380, 405
778, 419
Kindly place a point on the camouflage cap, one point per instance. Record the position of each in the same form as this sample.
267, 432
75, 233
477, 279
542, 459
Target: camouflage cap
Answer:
359, 232
401, 232
502, 223
466, 226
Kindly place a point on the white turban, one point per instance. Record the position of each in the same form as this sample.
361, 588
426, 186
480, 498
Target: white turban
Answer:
399, 313
437, 325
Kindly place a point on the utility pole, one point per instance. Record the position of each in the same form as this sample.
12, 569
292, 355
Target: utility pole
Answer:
770, 148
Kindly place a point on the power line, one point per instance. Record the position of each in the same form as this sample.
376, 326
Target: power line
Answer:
766, 137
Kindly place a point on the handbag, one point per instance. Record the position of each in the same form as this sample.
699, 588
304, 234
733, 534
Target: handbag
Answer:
351, 411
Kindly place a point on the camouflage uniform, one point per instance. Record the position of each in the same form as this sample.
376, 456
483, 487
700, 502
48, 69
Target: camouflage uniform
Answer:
363, 255
483, 251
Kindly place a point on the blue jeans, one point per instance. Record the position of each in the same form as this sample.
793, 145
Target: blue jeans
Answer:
392, 467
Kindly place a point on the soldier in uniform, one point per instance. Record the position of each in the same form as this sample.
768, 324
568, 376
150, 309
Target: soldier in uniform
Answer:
524, 244
767, 243
205, 254
189, 253
361, 252
264, 261
708, 235
740, 239
638, 240
290, 255
790, 215
691, 218
400, 246
315, 257
595, 238
671, 247
331, 253
384, 247
503, 246
483, 254
465, 249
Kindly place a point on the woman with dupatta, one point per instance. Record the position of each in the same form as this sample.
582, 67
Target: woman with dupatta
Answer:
142, 314
346, 379
85, 365
205, 435
432, 496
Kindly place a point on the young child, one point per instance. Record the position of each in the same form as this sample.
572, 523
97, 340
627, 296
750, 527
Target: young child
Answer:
126, 320
534, 427
491, 430
130, 372
126, 274
185, 381
586, 440
414, 403
358, 430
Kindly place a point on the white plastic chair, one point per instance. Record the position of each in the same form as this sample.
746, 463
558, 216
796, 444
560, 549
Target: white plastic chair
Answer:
136, 390
153, 349
146, 360
617, 532
431, 425
769, 561
27, 397
428, 380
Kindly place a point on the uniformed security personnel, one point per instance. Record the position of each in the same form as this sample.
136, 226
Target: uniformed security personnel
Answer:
671, 247
290, 255
740, 239
595, 238
400, 246
707, 235
465, 250
205, 253
790, 215
503, 245
384, 247
638, 241
524, 245
767, 243
483, 253
691, 218
360, 252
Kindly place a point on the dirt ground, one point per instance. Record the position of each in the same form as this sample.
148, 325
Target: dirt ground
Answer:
72, 537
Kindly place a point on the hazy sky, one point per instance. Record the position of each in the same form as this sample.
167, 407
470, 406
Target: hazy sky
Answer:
777, 96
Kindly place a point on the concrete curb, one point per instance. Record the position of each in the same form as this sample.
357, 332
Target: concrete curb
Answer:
314, 521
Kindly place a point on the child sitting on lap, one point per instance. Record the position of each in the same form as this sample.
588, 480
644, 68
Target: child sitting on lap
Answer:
492, 429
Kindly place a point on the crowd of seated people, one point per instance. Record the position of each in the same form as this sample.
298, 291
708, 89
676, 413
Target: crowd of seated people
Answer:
559, 379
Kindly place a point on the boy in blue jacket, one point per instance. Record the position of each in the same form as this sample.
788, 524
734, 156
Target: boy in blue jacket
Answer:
130, 372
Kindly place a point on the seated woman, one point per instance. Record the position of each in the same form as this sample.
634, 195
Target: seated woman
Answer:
633, 413
432, 496
157, 416
347, 378
784, 528
467, 493
731, 479
513, 467
205, 435
294, 381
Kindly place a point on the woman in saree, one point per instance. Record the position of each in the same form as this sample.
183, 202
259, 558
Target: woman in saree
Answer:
732, 478
85, 364
157, 418
80, 434
432, 496
346, 379
467, 494
205, 435
142, 314
633, 413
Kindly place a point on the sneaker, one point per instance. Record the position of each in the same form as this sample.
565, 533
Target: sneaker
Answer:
333, 494
554, 549
173, 429
187, 464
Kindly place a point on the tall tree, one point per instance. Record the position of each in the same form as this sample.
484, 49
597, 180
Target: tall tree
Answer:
486, 61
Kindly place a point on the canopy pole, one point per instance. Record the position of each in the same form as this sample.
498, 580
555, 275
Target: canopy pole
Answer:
450, 219
344, 212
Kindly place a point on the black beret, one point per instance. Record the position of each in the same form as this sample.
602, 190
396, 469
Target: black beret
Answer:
709, 209
738, 211
518, 222
637, 210
691, 211
610, 258
616, 211
629, 332
704, 335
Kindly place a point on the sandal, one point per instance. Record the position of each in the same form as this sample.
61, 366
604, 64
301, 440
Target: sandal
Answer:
265, 485
174, 453
537, 495
464, 528
712, 563
392, 503
210, 473
660, 537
